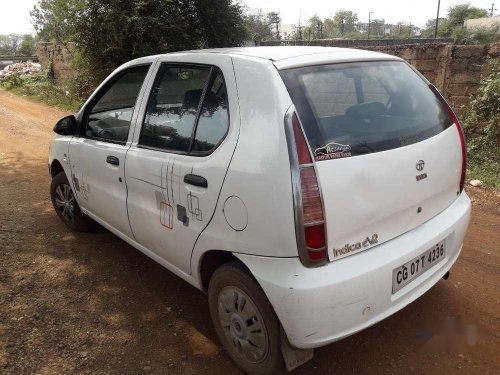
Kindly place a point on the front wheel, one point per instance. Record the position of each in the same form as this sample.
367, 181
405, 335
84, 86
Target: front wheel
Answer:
245, 321
66, 206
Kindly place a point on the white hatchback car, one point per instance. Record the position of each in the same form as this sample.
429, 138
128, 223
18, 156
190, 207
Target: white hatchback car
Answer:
312, 192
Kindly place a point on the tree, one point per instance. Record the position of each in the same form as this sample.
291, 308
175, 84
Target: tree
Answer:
274, 20
453, 24
108, 33
377, 27
330, 30
345, 21
27, 46
9, 44
257, 26
459, 13
315, 27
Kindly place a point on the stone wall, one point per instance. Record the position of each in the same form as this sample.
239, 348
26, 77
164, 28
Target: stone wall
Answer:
58, 57
455, 70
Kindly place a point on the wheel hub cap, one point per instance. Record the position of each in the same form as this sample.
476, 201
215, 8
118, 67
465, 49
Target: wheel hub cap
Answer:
243, 325
65, 202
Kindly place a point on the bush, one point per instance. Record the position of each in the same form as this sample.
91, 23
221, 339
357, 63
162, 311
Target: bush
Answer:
484, 35
41, 87
482, 129
11, 81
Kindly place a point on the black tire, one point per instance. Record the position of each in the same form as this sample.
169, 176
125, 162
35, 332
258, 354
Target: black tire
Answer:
71, 214
234, 277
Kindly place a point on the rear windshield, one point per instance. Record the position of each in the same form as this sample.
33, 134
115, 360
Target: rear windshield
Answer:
359, 108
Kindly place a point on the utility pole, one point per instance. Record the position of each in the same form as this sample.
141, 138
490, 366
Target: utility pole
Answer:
299, 28
437, 20
369, 21
492, 9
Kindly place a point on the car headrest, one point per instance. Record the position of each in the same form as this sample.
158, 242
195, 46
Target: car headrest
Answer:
367, 109
192, 98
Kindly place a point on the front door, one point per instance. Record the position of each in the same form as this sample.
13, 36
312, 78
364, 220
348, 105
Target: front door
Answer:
97, 156
176, 166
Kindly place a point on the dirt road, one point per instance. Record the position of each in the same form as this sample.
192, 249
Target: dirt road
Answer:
90, 303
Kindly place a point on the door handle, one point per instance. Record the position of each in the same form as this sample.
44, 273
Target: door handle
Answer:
194, 179
113, 160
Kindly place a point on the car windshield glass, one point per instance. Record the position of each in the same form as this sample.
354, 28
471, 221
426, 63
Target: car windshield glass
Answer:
357, 108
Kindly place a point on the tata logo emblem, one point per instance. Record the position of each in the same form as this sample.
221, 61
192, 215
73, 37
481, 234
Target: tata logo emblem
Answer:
420, 167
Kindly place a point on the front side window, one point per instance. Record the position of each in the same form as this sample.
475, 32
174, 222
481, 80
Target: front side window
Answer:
352, 109
110, 116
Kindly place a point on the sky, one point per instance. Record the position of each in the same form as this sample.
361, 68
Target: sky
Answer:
14, 14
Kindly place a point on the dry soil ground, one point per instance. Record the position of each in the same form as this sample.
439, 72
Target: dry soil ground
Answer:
90, 303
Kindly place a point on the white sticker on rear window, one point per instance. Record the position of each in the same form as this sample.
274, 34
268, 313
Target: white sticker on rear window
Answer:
332, 151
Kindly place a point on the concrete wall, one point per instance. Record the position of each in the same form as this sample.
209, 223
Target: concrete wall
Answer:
59, 57
482, 23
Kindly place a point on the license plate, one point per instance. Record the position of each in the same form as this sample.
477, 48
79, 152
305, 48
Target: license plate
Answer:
409, 271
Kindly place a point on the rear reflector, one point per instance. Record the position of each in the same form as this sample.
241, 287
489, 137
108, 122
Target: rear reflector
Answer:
317, 256
453, 117
312, 207
303, 153
315, 236
312, 218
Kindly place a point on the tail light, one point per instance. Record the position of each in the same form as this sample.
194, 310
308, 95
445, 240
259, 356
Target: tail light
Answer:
454, 119
310, 218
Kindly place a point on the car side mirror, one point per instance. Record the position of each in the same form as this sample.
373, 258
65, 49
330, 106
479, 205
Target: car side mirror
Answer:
66, 126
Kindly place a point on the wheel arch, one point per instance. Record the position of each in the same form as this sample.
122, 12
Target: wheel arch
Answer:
211, 261
56, 168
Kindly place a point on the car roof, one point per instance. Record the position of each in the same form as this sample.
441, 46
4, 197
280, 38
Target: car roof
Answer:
285, 57
277, 53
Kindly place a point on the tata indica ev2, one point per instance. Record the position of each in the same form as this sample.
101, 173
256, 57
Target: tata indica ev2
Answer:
310, 192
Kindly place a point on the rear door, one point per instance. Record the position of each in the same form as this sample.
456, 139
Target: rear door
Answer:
178, 161
387, 156
98, 155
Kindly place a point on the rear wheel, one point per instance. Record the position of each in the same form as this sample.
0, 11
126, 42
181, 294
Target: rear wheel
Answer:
245, 320
65, 204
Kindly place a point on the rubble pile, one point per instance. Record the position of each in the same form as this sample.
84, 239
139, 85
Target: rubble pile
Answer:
24, 68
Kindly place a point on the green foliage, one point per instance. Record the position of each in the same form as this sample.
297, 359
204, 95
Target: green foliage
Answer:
481, 35
257, 26
345, 20
27, 46
343, 24
453, 25
9, 44
459, 13
482, 129
11, 81
111, 32
41, 87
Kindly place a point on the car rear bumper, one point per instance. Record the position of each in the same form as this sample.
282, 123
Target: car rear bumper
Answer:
317, 306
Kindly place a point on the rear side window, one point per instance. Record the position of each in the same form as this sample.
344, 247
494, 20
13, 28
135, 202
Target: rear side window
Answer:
173, 107
213, 122
187, 110
359, 108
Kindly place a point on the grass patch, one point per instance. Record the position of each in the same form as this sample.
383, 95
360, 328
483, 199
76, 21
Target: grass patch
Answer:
489, 174
41, 88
